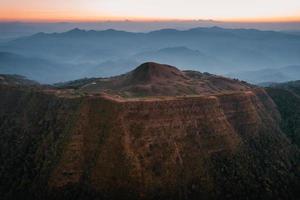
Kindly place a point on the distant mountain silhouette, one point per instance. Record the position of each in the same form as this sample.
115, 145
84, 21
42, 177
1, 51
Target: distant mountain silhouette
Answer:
282, 74
212, 49
39, 69
111, 67
180, 56
7, 79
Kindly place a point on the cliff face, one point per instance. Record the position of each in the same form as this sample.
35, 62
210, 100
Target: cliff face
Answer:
219, 139
207, 146
215, 146
33, 127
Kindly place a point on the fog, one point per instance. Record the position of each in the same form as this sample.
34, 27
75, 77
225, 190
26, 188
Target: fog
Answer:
77, 53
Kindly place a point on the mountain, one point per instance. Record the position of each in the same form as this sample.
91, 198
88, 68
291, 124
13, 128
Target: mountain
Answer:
6, 79
287, 98
153, 79
295, 32
292, 86
17, 29
77, 141
282, 74
38, 69
213, 49
111, 67
181, 56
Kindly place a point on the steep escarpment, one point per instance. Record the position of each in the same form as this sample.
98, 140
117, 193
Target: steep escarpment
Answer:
62, 144
33, 125
205, 146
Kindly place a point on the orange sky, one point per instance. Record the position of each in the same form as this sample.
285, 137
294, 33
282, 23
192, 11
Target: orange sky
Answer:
99, 10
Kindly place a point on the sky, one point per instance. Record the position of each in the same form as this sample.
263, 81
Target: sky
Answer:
97, 10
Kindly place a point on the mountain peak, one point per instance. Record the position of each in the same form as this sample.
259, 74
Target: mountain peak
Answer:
153, 79
151, 71
154, 66
75, 31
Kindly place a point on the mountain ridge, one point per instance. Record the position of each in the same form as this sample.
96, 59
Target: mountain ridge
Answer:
222, 51
196, 29
71, 143
154, 79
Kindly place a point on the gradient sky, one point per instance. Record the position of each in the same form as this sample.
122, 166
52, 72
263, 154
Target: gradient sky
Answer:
234, 10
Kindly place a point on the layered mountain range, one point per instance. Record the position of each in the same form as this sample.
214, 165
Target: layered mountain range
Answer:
153, 133
77, 53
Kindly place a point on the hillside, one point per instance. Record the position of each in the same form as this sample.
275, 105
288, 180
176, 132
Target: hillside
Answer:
287, 98
82, 141
153, 79
6, 79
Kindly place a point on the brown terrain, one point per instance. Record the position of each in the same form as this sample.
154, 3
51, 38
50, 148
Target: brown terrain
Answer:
152, 79
153, 133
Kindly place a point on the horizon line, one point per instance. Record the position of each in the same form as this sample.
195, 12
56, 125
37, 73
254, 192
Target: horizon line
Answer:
131, 19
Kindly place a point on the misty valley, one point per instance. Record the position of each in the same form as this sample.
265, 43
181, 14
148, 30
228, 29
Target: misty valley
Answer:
202, 113
247, 54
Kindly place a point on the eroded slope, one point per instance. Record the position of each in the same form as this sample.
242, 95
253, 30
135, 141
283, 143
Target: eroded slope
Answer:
59, 143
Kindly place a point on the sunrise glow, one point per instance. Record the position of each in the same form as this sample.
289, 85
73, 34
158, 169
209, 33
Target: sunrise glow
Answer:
98, 10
